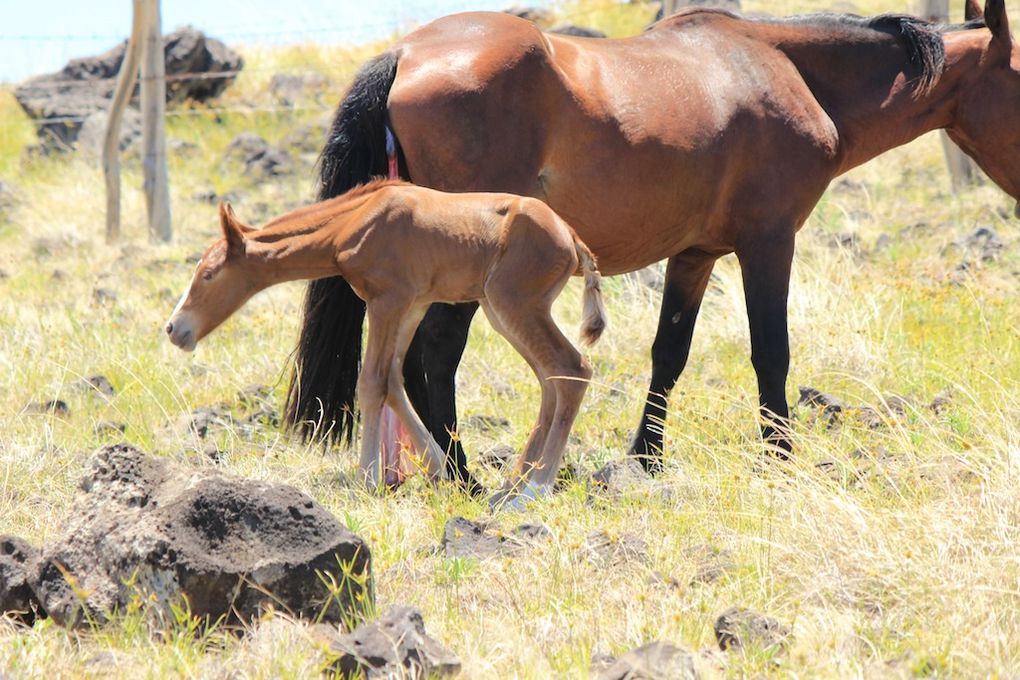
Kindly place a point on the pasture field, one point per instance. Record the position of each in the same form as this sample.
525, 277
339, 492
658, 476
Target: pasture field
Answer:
889, 544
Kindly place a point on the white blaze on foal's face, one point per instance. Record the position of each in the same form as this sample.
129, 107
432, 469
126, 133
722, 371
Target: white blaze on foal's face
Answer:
219, 287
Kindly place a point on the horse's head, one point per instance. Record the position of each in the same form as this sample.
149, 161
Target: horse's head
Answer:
222, 283
987, 120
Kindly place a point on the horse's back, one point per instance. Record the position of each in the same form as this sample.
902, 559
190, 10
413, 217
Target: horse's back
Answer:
485, 101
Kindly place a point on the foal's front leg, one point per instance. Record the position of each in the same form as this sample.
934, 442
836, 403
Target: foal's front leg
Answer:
383, 326
396, 395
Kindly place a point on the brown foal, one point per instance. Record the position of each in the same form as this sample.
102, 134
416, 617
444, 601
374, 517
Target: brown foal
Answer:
401, 248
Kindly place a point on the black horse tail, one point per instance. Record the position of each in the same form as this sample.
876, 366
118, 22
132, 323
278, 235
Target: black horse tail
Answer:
323, 385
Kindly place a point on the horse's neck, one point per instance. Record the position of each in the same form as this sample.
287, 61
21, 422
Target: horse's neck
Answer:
296, 250
869, 90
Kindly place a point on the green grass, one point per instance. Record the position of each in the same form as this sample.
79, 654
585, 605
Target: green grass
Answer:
901, 567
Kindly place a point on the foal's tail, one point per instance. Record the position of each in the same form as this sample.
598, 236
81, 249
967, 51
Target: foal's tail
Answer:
321, 397
593, 320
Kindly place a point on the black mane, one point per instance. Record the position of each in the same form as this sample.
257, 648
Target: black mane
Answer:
922, 39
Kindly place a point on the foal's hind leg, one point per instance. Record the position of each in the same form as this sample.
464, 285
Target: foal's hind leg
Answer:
568, 373
532, 450
561, 369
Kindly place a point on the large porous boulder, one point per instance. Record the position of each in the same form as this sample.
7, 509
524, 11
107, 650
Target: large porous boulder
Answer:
144, 527
17, 600
198, 68
394, 646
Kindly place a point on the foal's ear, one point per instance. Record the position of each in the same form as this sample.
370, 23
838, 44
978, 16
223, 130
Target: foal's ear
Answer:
972, 10
233, 230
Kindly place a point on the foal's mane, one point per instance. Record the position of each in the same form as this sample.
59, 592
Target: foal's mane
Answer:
313, 213
922, 39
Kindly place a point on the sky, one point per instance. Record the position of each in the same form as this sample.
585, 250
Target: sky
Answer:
39, 36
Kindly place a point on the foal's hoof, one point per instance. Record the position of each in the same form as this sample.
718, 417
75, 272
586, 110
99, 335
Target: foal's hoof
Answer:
508, 498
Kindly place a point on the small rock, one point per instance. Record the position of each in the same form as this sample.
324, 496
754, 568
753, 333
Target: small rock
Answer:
108, 428
17, 600
845, 241
394, 646
486, 423
206, 196
258, 156
290, 88
828, 408
96, 383
214, 453
104, 296
942, 401
868, 417
985, 243
897, 405
712, 563
614, 549
618, 478
809, 396
200, 421
740, 628
654, 661
305, 139
464, 538
568, 473
56, 407
498, 457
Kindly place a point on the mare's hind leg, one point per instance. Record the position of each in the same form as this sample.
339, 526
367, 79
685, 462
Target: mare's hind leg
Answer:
429, 372
765, 268
687, 276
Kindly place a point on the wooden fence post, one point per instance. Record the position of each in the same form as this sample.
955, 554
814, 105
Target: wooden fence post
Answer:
126, 79
154, 170
962, 169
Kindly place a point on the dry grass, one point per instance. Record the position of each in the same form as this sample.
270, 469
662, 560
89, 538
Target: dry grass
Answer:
897, 566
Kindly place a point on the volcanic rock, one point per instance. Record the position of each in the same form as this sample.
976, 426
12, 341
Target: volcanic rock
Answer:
231, 548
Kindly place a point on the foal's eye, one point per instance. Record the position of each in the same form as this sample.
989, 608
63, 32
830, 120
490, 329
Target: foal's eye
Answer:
207, 275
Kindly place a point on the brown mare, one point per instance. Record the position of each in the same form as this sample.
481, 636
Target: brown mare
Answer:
708, 134
393, 243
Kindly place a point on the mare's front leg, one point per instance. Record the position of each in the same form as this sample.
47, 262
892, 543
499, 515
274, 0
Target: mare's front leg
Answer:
429, 372
687, 276
765, 265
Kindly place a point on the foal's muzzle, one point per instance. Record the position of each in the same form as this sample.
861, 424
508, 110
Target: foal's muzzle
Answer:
181, 334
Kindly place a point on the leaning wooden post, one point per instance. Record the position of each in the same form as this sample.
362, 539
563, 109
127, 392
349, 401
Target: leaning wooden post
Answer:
962, 169
154, 171
126, 79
